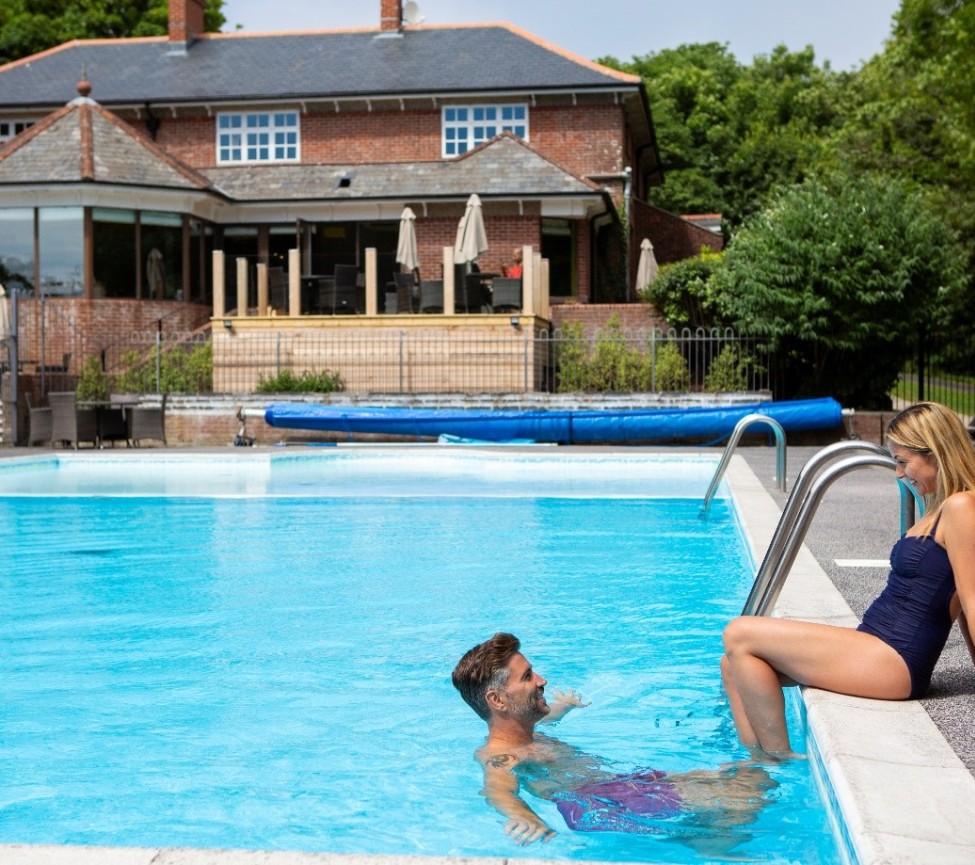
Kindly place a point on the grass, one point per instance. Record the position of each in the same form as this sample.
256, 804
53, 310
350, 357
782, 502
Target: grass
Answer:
958, 393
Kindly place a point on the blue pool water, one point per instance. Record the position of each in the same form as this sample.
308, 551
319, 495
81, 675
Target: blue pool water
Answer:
254, 652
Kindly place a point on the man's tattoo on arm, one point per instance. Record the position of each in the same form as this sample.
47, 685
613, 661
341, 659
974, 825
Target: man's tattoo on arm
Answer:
501, 761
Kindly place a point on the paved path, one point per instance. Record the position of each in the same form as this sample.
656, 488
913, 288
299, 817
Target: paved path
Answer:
859, 519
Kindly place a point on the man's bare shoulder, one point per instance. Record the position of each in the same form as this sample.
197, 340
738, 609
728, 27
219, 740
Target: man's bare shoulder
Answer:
504, 755
501, 755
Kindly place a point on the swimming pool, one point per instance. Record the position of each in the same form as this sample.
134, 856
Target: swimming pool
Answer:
247, 651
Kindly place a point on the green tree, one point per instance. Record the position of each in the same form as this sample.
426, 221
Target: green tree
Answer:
728, 133
842, 278
687, 89
910, 111
782, 110
30, 26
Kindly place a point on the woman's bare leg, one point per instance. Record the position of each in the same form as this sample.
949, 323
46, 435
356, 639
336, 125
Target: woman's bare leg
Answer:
746, 733
762, 653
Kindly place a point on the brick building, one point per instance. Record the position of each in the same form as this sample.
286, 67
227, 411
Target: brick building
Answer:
320, 139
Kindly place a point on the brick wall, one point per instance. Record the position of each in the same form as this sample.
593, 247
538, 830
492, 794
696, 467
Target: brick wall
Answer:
583, 140
505, 230
86, 328
673, 238
593, 317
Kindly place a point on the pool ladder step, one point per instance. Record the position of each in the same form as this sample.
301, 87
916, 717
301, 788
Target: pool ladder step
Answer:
815, 478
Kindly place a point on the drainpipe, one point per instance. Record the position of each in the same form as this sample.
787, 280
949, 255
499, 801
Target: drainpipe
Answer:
627, 190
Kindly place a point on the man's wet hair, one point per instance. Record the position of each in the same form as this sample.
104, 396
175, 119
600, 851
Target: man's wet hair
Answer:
483, 668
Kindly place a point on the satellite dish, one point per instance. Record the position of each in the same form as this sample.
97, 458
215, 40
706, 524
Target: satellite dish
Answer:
411, 13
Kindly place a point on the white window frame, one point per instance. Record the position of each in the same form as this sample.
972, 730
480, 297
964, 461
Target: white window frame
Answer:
464, 127
11, 127
256, 137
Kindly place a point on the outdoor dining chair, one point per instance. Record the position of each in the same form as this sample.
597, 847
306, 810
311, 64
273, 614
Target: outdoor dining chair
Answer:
431, 295
345, 289
506, 294
404, 292
147, 422
471, 296
39, 423
70, 424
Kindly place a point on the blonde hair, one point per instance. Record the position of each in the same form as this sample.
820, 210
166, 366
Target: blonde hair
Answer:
932, 429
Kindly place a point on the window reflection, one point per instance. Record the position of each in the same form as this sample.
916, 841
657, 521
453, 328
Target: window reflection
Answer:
61, 244
17, 249
114, 252
162, 255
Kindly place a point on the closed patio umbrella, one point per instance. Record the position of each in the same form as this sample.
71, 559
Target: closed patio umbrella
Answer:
471, 236
5, 333
155, 273
406, 253
647, 270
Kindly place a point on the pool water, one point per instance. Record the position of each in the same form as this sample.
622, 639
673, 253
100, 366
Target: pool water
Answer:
262, 660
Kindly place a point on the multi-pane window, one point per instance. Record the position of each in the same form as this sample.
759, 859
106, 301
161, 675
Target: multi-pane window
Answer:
10, 128
467, 126
258, 137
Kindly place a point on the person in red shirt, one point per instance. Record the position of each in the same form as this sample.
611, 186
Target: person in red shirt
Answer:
514, 270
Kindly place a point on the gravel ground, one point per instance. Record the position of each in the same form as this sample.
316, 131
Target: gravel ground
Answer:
859, 518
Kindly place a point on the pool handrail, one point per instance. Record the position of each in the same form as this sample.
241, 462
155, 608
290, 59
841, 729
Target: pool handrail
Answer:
729, 450
799, 509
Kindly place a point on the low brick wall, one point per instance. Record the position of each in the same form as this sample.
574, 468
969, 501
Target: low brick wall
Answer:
594, 317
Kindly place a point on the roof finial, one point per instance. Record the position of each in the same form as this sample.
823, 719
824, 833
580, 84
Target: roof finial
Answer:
84, 85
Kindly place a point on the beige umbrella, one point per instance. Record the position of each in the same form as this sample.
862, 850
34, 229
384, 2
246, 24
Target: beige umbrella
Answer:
647, 270
155, 273
406, 253
5, 333
471, 236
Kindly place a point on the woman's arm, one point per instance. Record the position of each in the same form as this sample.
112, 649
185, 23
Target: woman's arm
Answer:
966, 632
958, 520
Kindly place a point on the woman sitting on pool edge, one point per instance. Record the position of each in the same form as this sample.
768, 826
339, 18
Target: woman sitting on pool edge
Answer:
892, 653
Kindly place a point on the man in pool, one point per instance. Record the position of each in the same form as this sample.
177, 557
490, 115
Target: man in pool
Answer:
499, 684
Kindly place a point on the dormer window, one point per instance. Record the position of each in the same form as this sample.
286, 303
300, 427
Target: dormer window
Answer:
271, 136
10, 128
467, 126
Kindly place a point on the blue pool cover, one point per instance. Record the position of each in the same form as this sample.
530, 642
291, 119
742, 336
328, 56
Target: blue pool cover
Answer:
576, 426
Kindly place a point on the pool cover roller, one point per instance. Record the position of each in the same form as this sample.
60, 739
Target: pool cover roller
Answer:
559, 426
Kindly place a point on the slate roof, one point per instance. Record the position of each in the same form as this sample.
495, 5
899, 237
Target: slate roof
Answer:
504, 166
306, 65
84, 142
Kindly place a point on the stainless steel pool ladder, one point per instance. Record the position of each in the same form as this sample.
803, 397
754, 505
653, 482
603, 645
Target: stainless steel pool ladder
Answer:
813, 481
729, 449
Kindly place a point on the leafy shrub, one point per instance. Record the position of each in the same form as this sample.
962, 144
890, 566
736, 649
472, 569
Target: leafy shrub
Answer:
684, 293
307, 382
571, 359
182, 369
728, 372
93, 384
669, 368
614, 363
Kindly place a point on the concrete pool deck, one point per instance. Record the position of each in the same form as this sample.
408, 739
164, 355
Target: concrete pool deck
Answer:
902, 772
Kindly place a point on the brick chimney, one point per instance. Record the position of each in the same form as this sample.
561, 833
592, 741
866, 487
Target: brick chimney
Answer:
391, 14
185, 20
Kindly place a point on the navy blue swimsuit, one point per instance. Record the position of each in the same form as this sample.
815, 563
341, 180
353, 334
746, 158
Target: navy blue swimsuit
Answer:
912, 613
